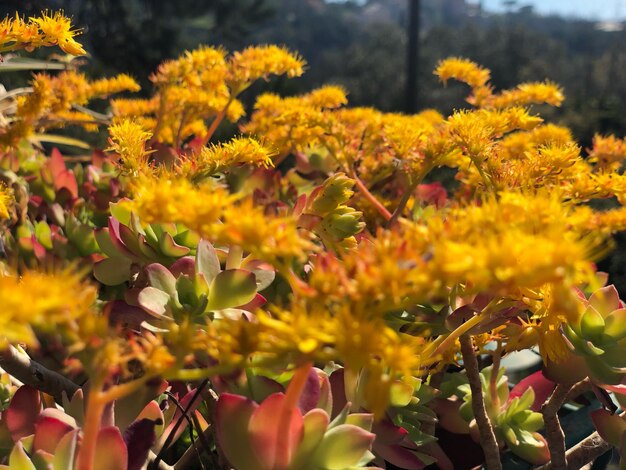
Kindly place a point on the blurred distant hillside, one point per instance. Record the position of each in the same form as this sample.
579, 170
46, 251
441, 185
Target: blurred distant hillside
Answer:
362, 46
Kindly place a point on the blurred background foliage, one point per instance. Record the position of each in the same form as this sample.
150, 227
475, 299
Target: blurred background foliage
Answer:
362, 46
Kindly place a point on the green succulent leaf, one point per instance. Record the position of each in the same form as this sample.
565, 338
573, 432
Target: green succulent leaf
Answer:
615, 324
591, 324
342, 447
170, 248
232, 288
112, 271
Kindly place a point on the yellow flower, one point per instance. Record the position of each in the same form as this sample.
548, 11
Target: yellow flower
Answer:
256, 62
57, 29
220, 157
41, 301
6, 201
128, 139
109, 86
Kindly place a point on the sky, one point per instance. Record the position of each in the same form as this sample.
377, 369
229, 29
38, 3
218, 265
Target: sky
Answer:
590, 9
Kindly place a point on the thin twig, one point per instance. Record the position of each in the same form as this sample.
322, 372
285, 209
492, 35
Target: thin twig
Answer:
554, 431
194, 445
170, 436
30, 372
487, 437
583, 453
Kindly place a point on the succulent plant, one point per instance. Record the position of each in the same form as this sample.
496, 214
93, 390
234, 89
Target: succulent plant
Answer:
254, 435
513, 415
125, 242
198, 286
599, 336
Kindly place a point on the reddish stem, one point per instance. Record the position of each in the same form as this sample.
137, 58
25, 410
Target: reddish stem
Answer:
382, 210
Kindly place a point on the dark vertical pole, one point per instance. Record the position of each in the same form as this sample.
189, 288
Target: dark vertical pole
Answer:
412, 59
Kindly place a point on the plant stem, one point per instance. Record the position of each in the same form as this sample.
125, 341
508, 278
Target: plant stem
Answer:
294, 390
93, 420
216, 122
403, 202
487, 437
554, 432
382, 210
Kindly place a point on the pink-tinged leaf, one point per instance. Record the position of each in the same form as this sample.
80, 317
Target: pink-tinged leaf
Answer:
542, 387
343, 447
275, 442
153, 412
610, 427
111, 451
75, 407
63, 178
38, 249
232, 288
325, 401
311, 393
139, 437
104, 242
254, 304
170, 248
315, 423
309, 221
184, 266
161, 278
433, 193
232, 418
116, 238
207, 261
65, 452
300, 204
605, 300
50, 428
23, 411
153, 301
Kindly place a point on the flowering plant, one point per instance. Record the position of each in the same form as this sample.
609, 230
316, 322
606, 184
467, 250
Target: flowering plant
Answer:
176, 301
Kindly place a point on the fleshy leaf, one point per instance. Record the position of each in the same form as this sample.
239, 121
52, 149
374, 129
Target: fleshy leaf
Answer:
232, 288
207, 262
610, 427
274, 445
139, 437
605, 300
615, 324
342, 447
153, 300
233, 413
23, 411
170, 248
18, 460
65, 451
315, 423
591, 324
111, 452
161, 278
112, 271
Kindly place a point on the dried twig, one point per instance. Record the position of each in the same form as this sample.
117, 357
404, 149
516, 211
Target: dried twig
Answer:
30, 372
487, 437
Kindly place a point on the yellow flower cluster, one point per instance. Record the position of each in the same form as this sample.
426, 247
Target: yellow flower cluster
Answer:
51, 102
46, 30
220, 157
42, 301
218, 216
203, 84
6, 202
128, 139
